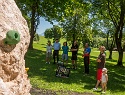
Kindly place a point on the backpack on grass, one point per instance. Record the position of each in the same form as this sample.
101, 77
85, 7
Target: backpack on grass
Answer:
62, 71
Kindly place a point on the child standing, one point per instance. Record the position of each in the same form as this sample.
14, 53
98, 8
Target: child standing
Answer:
65, 49
104, 80
48, 52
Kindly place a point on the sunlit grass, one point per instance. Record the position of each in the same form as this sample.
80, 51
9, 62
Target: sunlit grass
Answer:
43, 75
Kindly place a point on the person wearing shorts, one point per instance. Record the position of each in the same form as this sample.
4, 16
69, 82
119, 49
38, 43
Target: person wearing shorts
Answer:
74, 50
65, 49
100, 65
48, 52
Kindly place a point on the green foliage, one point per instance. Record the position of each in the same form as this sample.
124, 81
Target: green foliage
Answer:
54, 32
77, 26
48, 33
36, 38
112, 10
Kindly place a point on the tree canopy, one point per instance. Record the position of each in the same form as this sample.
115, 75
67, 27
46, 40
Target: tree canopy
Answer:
98, 22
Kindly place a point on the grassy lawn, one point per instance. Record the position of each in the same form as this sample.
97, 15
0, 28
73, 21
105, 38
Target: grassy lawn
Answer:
43, 75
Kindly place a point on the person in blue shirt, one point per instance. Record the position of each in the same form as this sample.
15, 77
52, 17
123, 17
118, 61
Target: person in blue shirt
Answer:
86, 55
56, 47
65, 49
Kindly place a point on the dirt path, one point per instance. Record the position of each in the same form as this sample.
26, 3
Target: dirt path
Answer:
35, 91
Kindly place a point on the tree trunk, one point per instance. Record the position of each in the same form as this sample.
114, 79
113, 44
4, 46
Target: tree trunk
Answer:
32, 28
107, 40
119, 23
118, 34
73, 37
110, 54
111, 48
120, 59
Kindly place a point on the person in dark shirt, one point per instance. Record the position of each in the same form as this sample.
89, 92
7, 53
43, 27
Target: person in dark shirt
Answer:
74, 50
100, 65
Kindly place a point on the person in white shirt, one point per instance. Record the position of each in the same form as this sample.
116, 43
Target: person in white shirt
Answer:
104, 80
48, 52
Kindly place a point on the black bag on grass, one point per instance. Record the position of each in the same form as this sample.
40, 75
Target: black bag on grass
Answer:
62, 71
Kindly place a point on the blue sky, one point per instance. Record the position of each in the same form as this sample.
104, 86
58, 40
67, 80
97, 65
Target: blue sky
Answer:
43, 26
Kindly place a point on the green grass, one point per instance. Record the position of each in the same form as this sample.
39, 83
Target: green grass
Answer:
43, 75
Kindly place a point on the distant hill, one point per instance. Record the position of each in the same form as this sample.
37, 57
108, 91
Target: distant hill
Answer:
42, 34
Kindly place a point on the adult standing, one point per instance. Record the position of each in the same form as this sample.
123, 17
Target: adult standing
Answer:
74, 50
56, 47
86, 55
100, 65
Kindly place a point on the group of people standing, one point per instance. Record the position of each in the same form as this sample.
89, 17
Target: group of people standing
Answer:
57, 46
102, 76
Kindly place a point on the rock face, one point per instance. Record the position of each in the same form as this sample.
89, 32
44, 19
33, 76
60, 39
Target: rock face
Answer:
13, 76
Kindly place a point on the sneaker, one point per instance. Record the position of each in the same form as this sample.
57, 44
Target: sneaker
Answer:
95, 89
49, 62
103, 92
46, 62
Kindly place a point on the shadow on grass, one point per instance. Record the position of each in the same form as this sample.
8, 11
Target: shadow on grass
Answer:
35, 60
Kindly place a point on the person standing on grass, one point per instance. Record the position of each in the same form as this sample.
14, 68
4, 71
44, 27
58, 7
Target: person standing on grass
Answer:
56, 47
65, 49
48, 52
86, 55
100, 65
74, 50
104, 80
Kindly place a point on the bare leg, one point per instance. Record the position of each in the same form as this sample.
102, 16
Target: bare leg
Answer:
103, 86
97, 84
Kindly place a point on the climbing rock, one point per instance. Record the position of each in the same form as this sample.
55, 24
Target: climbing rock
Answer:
13, 76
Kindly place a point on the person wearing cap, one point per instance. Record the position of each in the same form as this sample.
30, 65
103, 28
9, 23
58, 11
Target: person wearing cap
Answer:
100, 65
56, 47
104, 80
86, 55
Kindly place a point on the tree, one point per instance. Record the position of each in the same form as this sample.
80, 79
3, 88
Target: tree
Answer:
54, 32
114, 11
48, 33
77, 25
31, 10
108, 28
51, 10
